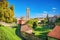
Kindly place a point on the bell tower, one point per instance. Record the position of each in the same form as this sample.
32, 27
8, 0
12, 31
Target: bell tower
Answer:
27, 13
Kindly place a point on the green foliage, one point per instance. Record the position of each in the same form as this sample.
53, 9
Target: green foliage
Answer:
1, 25
7, 33
34, 25
0, 14
3, 19
6, 13
42, 31
9, 20
5, 4
3, 36
15, 20
57, 22
12, 7
31, 21
42, 21
51, 38
47, 19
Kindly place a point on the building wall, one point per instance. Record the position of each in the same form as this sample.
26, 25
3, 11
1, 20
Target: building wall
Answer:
40, 19
52, 19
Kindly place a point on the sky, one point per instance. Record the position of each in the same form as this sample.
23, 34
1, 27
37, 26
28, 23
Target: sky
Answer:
38, 8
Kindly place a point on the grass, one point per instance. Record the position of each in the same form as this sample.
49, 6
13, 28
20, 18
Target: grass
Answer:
42, 31
10, 33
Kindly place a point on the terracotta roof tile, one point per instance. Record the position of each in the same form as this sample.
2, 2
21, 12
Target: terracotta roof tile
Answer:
55, 33
26, 29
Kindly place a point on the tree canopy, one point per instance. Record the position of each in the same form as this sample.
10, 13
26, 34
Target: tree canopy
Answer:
6, 12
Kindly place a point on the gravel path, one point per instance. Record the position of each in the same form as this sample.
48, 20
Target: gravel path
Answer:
8, 24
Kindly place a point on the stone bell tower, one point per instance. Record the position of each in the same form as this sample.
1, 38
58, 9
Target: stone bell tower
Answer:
27, 13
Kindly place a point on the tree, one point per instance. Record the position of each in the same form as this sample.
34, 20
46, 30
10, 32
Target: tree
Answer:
47, 17
6, 13
3, 19
4, 4
31, 21
34, 25
11, 13
42, 22
15, 20
12, 7
57, 22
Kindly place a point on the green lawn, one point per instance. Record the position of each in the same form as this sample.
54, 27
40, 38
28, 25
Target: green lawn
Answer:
10, 33
42, 31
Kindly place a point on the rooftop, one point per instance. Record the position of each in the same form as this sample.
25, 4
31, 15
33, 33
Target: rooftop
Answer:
55, 33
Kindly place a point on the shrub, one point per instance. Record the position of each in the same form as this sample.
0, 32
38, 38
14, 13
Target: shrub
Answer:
34, 25
57, 22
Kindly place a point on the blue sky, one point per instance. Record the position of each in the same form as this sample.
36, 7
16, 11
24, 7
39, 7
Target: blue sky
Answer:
37, 7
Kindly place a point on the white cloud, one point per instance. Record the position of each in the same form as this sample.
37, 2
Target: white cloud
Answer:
54, 8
